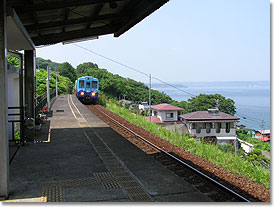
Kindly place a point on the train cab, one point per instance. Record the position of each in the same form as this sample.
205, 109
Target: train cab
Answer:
87, 89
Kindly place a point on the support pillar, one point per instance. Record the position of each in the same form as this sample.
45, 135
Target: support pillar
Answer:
29, 56
4, 146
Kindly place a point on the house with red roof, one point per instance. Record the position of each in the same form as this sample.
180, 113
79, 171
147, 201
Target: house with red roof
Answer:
211, 124
263, 135
165, 113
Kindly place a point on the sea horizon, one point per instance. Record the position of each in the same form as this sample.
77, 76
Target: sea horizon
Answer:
252, 98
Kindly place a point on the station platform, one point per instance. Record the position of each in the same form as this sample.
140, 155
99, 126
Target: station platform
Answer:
76, 157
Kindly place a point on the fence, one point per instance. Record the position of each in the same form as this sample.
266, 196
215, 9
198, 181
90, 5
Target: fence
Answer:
41, 101
11, 120
21, 112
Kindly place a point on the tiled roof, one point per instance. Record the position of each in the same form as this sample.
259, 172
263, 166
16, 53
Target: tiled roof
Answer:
204, 115
166, 107
155, 119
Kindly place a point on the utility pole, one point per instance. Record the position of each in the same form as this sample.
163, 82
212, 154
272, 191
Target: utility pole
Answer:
36, 83
150, 98
262, 127
48, 88
217, 103
235, 143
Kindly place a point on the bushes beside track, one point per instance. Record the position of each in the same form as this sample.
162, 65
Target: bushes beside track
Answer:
212, 153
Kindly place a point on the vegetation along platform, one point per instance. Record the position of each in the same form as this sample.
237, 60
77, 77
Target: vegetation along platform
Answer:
76, 157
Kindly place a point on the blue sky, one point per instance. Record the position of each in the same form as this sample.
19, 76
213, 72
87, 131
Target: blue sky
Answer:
185, 41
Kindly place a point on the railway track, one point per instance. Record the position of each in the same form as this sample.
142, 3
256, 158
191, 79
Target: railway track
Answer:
215, 190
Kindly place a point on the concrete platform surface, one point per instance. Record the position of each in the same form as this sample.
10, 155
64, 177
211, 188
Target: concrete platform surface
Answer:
76, 157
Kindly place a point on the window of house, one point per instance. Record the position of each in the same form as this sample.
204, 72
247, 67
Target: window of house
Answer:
169, 115
218, 127
94, 84
155, 113
227, 129
209, 125
81, 84
194, 126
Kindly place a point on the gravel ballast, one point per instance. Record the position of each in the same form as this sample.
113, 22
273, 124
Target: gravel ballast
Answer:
254, 189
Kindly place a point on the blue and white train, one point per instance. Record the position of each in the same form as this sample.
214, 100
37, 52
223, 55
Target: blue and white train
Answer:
86, 89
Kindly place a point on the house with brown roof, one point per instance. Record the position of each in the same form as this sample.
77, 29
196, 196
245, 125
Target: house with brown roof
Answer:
212, 123
165, 113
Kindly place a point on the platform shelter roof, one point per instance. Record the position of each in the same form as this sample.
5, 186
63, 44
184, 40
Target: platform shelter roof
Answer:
52, 21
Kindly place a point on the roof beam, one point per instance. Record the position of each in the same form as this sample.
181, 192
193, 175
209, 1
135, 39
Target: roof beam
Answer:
95, 13
69, 22
35, 18
58, 5
65, 36
66, 15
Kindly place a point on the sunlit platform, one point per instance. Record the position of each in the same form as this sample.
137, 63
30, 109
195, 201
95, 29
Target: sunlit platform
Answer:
81, 159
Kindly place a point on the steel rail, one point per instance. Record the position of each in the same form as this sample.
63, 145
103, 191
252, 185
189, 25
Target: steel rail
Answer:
175, 158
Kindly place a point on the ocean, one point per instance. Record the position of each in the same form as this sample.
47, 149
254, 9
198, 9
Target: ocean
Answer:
252, 98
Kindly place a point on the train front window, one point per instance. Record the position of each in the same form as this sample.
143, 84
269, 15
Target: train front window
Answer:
88, 84
94, 84
81, 84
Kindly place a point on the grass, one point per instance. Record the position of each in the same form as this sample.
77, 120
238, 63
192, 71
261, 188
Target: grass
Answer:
258, 144
209, 152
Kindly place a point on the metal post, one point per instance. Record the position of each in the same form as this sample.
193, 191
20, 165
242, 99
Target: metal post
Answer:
4, 147
48, 90
150, 98
21, 98
236, 145
56, 89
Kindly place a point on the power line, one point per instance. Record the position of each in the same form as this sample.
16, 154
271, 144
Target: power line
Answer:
250, 120
174, 87
112, 60
241, 114
134, 69
245, 118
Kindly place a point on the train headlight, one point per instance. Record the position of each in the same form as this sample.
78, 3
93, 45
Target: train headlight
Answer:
93, 93
82, 93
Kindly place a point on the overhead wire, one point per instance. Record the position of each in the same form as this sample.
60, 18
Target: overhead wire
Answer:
173, 86
136, 70
84, 48
250, 117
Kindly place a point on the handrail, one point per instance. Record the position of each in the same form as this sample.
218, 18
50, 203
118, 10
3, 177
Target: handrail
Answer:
22, 115
41, 101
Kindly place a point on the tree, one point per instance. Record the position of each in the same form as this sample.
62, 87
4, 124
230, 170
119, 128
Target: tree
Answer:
67, 70
13, 60
117, 86
42, 63
64, 84
181, 104
84, 67
204, 102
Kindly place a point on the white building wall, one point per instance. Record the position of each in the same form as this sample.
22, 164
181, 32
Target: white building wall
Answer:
162, 115
13, 99
213, 132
